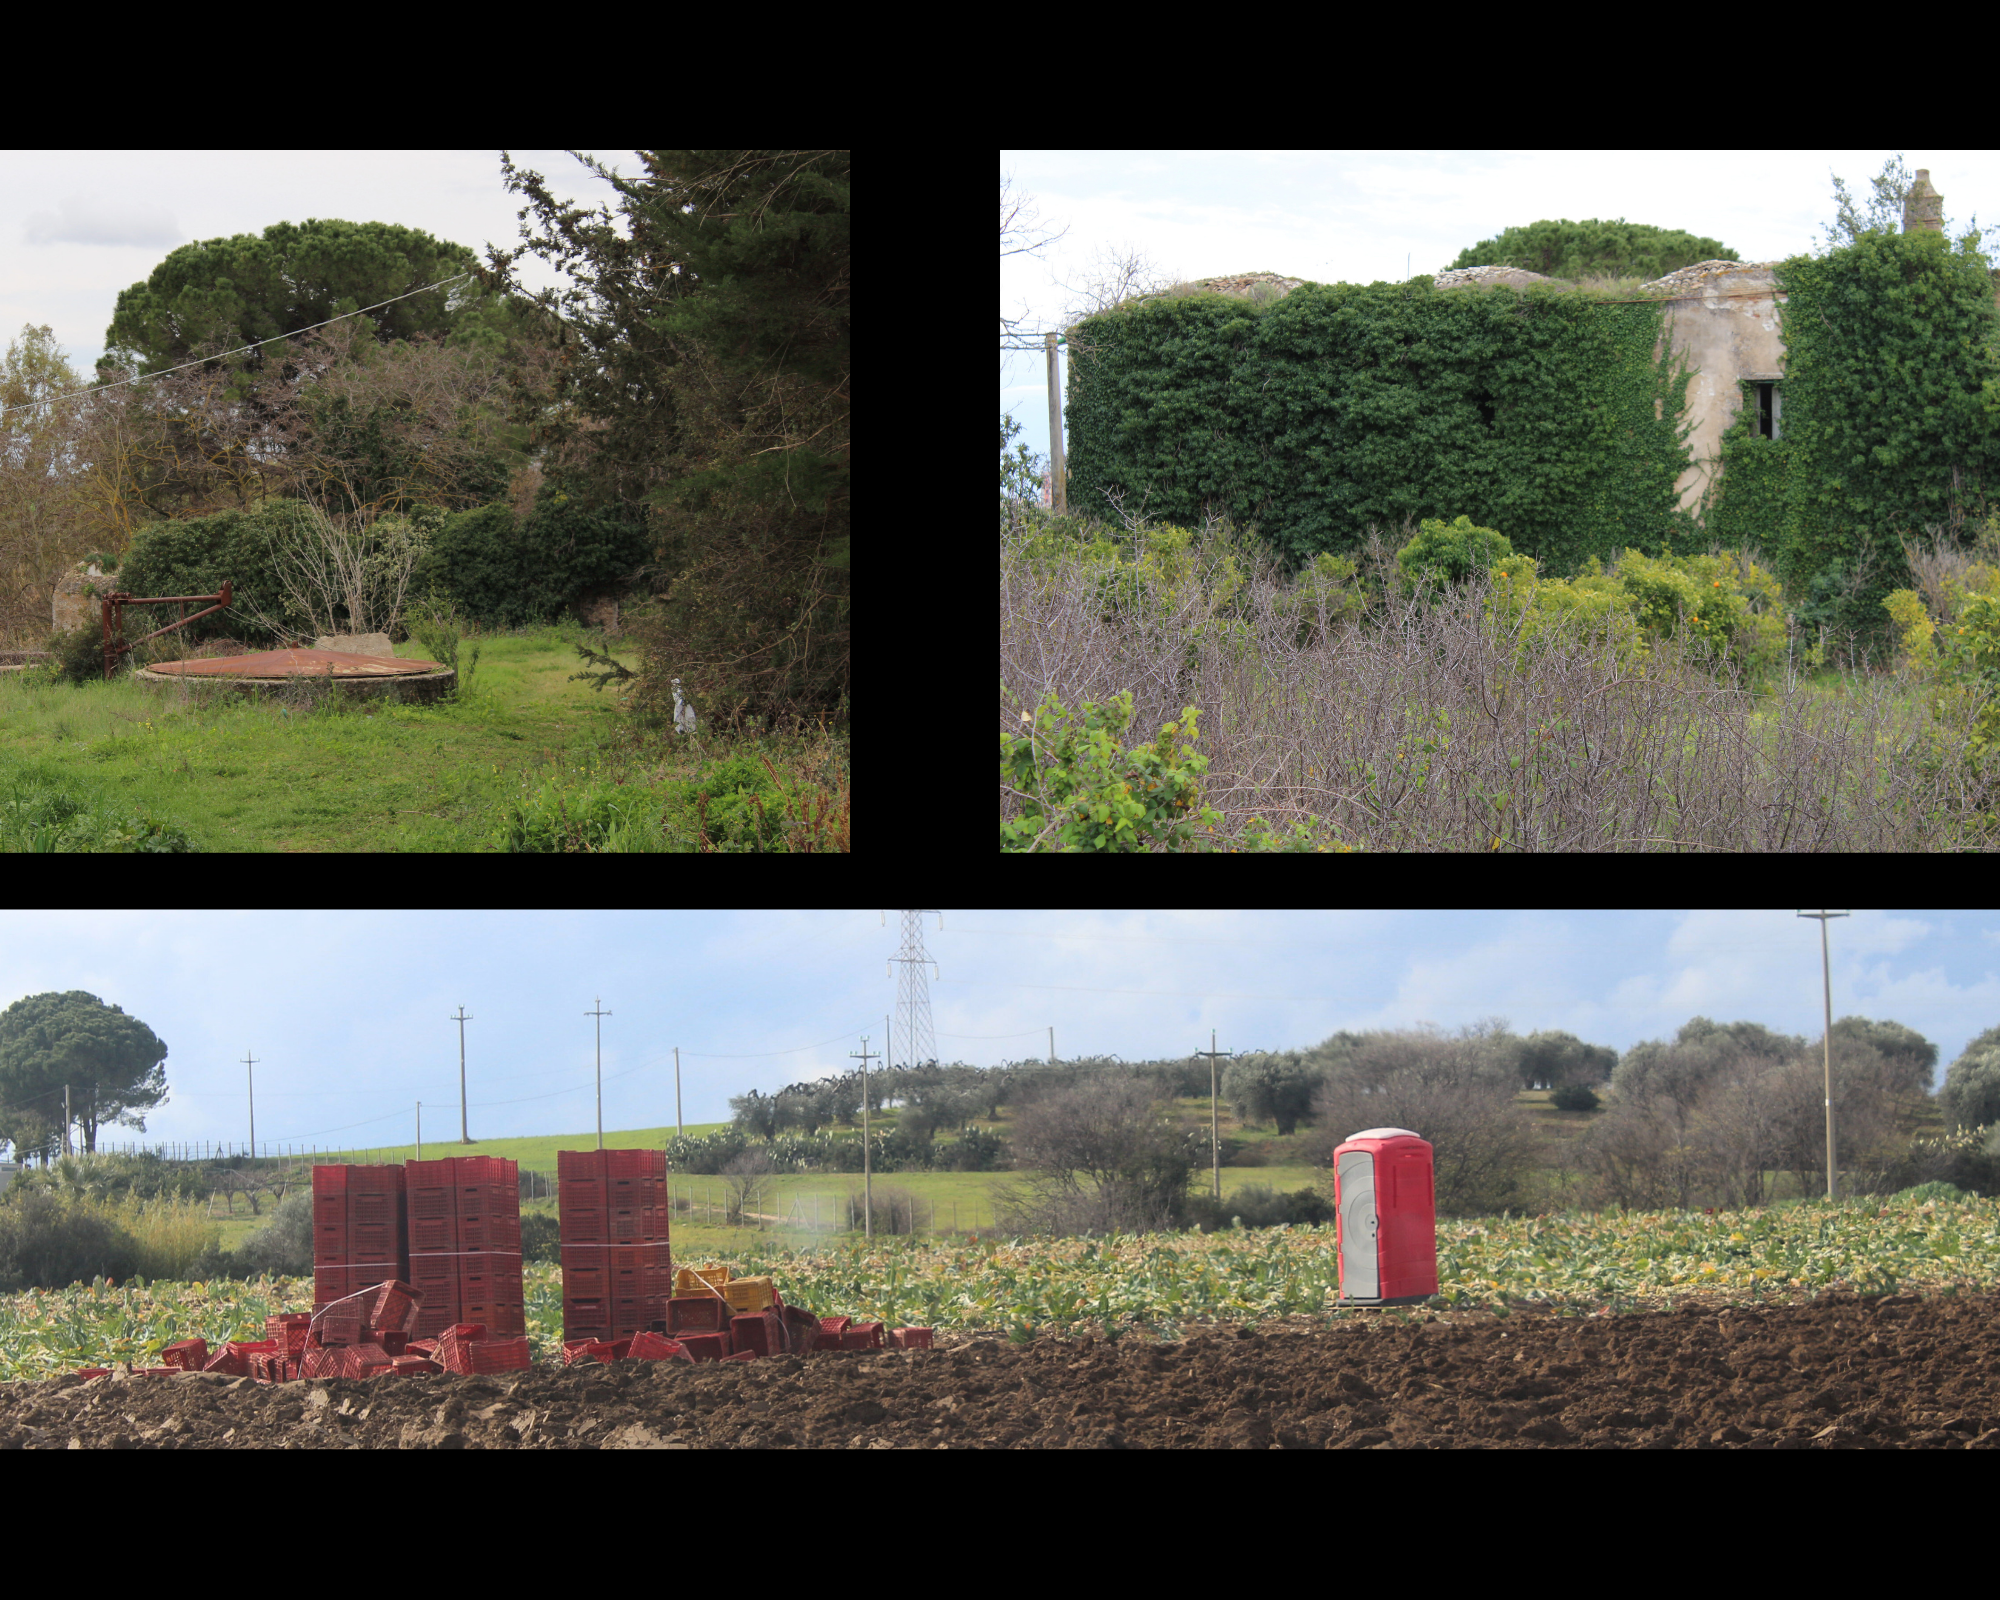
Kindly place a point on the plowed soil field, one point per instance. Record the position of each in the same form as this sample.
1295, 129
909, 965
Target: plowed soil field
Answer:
1837, 1373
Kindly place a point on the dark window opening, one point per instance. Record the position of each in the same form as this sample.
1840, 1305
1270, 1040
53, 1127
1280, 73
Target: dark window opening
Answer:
1766, 420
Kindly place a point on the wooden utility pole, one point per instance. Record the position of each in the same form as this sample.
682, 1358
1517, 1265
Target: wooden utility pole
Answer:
867, 1160
680, 1128
464, 1136
250, 1067
1826, 970
1214, 1113
600, 1013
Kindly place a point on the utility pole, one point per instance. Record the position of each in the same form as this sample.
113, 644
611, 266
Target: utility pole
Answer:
600, 1013
420, 1130
250, 1068
1826, 969
66, 1115
867, 1161
680, 1128
1058, 486
1214, 1115
464, 1137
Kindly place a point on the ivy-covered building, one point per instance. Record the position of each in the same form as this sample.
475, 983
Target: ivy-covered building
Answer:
1722, 322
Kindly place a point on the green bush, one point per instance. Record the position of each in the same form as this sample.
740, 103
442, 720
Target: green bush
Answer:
1575, 1097
76, 656
48, 1242
1934, 1191
1258, 1206
736, 804
196, 555
541, 1237
1448, 552
283, 1247
974, 1150
508, 573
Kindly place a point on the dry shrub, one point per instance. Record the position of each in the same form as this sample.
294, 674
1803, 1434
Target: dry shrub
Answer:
1423, 727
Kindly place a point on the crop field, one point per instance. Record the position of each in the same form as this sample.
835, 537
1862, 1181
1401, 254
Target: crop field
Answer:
1165, 1285
1806, 1327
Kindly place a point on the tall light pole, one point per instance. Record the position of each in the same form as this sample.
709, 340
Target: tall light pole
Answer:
1826, 970
867, 1166
600, 1013
250, 1067
1214, 1114
462, 1019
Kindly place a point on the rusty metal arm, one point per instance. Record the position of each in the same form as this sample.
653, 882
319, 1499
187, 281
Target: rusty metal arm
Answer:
114, 647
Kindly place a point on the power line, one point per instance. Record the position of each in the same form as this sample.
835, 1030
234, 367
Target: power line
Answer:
330, 321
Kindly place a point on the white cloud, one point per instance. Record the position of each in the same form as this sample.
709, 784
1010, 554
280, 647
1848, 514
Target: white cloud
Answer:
112, 222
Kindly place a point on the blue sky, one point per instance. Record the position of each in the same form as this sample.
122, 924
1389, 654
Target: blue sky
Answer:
1364, 216
79, 226
349, 1012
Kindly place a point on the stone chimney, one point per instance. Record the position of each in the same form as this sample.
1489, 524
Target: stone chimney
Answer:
1923, 207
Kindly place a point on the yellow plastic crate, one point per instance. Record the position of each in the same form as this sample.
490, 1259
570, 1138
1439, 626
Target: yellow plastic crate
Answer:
699, 1280
748, 1294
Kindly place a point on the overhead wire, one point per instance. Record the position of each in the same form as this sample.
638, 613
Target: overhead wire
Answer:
254, 344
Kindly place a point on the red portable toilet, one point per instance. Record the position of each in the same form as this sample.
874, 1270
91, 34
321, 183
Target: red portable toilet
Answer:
1387, 1216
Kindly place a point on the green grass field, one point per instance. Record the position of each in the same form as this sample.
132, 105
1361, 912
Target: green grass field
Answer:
522, 758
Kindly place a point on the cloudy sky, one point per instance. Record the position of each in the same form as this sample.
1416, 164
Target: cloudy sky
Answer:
78, 226
349, 1013
1368, 216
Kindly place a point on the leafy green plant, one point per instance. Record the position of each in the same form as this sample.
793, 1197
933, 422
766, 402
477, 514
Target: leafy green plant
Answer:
1082, 792
735, 804
559, 818
1084, 799
1447, 552
1575, 1097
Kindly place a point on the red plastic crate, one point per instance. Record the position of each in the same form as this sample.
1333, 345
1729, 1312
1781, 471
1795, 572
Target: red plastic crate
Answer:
579, 1194
586, 1227
287, 1329
635, 1163
635, 1225
374, 1180
630, 1315
414, 1366
586, 1318
589, 1350
329, 1285
651, 1346
507, 1319
697, 1314
433, 1234
371, 1205
340, 1323
489, 1233
321, 1363
433, 1320
802, 1328
484, 1200
188, 1355
579, 1164
761, 1331
705, 1346
863, 1336
427, 1174
432, 1202
911, 1338
487, 1169
375, 1241
393, 1310
330, 1180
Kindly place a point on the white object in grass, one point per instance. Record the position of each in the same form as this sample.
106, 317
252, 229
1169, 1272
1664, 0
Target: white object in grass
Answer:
683, 714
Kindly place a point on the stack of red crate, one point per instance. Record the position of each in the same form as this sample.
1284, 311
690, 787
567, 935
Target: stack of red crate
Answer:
358, 1236
617, 1265
465, 1244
